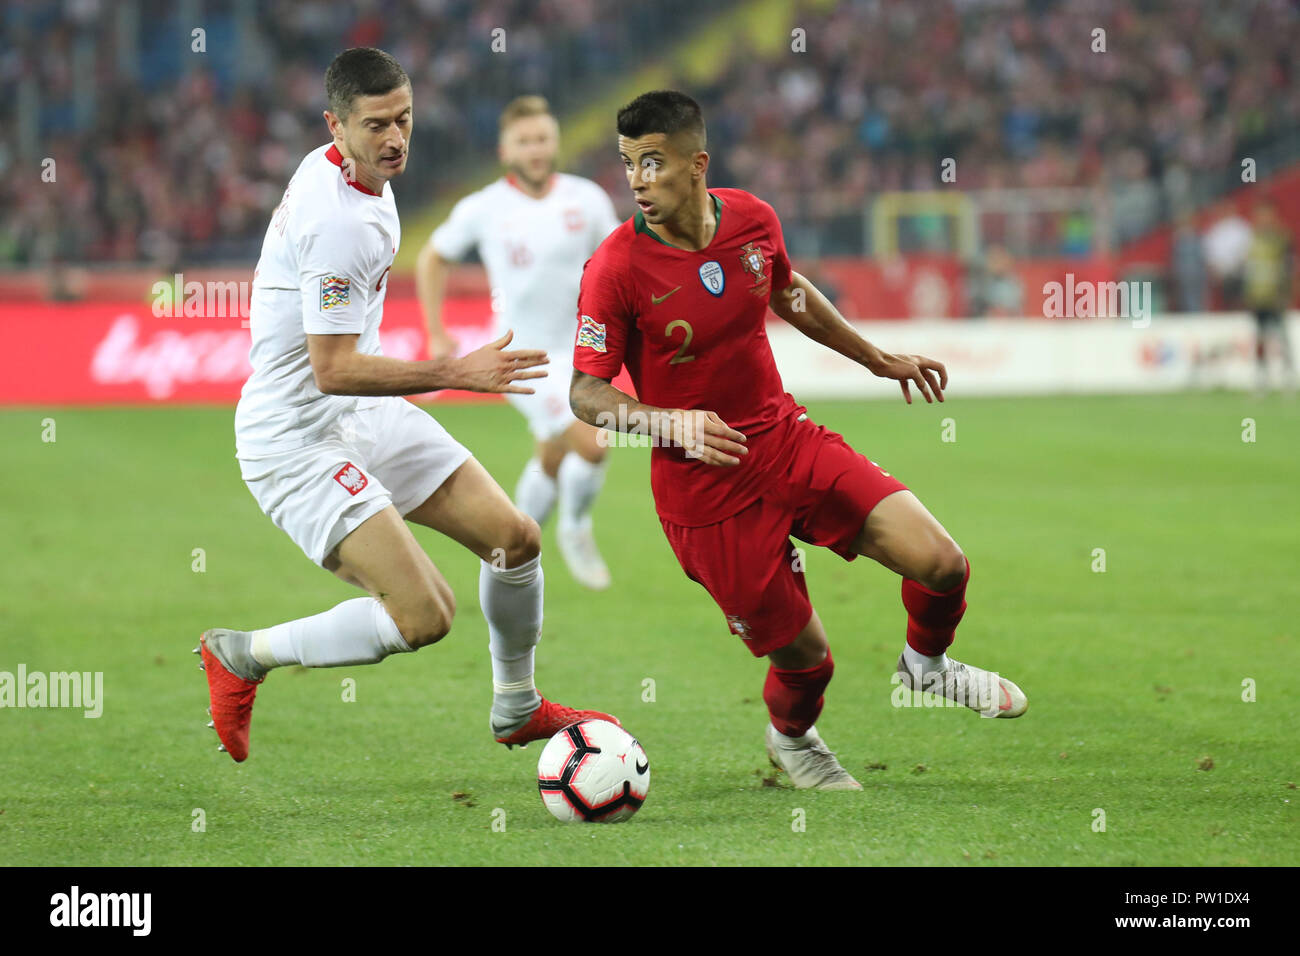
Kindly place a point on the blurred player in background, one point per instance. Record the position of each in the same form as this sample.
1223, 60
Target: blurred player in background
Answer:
534, 228
679, 295
1226, 243
338, 472
1267, 291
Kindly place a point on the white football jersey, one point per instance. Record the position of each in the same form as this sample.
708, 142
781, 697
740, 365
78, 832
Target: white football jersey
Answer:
533, 250
323, 271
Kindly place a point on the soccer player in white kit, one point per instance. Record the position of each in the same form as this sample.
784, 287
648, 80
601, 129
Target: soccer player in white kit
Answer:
337, 460
534, 228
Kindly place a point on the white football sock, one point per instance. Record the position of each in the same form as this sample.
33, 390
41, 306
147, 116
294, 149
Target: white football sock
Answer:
523, 685
536, 492
916, 661
511, 599
791, 743
579, 482
359, 631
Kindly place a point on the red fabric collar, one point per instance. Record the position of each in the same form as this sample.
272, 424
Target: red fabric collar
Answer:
335, 157
514, 181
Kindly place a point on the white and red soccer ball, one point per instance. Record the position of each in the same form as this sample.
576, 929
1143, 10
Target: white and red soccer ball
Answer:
593, 772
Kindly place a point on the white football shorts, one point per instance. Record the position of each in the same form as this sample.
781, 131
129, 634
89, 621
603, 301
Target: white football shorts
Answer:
547, 409
391, 452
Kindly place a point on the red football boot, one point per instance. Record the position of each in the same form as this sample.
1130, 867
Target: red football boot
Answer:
548, 720
232, 702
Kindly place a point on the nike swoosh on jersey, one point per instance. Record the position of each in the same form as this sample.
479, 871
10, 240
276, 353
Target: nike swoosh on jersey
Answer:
656, 299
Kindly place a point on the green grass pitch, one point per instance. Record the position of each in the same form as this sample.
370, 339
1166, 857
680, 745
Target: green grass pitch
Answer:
1135, 675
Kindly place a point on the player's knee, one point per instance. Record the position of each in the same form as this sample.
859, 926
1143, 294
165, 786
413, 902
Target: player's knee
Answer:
589, 444
523, 541
808, 649
947, 567
429, 621
529, 543
549, 457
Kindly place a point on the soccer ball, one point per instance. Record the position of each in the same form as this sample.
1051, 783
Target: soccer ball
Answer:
593, 772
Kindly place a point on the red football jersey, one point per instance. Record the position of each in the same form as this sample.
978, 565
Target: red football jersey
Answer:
689, 326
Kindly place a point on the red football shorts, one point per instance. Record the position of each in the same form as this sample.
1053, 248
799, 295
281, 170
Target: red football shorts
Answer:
747, 563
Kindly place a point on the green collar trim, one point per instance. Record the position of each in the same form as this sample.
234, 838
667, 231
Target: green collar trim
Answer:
643, 228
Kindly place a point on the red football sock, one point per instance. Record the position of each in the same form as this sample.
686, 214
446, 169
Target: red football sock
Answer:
932, 617
794, 698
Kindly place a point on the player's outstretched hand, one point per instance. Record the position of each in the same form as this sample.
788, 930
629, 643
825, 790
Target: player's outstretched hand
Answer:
707, 437
493, 369
927, 374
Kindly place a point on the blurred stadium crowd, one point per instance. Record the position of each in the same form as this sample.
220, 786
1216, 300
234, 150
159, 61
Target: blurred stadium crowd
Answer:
161, 160
164, 155
1014, 93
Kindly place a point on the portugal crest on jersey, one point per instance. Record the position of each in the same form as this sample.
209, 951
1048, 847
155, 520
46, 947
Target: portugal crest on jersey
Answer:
752, 258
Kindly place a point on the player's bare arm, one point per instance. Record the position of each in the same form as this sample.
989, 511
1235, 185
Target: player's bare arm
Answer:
802, 305
702, 433
430, 285
339, 369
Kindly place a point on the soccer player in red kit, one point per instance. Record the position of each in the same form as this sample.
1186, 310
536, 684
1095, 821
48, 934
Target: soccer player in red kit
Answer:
679, 294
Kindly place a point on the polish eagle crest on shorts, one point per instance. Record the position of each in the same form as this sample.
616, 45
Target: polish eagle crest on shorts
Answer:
352, 478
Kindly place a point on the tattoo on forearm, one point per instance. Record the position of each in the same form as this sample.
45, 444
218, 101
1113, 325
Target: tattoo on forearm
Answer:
588, 396
597, 402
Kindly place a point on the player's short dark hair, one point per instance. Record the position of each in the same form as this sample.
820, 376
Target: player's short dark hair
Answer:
663, 111
361, 71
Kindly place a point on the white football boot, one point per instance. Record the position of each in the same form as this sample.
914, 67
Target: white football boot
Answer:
986, 693
811, 766
578, 548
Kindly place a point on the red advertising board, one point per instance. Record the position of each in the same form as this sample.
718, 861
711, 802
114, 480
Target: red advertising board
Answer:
122, 353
